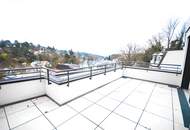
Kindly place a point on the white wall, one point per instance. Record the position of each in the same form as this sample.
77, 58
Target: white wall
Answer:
13, 92
162, 77
63, 93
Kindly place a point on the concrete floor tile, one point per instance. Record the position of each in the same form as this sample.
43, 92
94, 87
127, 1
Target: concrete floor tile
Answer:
77, 123
115, 122
108, 103
96, 113
141, 128
94, 96
60, 115
21, 117
159, 110
80, 104
154, 122
40, 123
47, 106
3, 124
129, 112
11, 109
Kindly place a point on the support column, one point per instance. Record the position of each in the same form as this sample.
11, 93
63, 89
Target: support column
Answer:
186, 71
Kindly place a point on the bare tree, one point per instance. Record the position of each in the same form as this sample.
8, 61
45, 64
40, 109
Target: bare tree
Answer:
155, 45
156, 42
169, 31
179, 41
129, 53
181, 36
126, 53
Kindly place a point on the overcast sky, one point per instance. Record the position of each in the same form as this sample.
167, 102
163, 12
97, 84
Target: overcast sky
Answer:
96, 26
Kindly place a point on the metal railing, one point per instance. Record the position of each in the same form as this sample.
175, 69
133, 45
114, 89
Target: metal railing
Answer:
173, 67
168, 68
69, 75
55, 76
19, 74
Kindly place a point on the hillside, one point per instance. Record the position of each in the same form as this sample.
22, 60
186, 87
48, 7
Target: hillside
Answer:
17, 54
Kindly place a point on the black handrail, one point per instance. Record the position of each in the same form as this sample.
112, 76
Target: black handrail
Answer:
16, 69
115, 67
69, 75
90, 72
48, 76
151, 69
170, 64
68, 80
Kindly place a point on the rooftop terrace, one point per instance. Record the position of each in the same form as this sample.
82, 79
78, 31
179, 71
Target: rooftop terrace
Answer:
125, 104
107, 97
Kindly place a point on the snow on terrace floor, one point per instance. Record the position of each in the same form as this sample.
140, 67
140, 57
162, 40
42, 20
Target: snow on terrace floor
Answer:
125, 104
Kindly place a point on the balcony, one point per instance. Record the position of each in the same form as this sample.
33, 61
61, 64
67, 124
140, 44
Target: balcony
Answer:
109, 97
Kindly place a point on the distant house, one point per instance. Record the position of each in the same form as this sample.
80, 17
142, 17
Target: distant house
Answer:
67, 66
156, 59
170, 60
37, 52
40, 63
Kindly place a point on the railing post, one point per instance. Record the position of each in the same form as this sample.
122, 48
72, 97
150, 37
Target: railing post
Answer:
105, 70
121, 65
48, 76
177, 71
68, 80
115, 67
91, 72
40, 74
